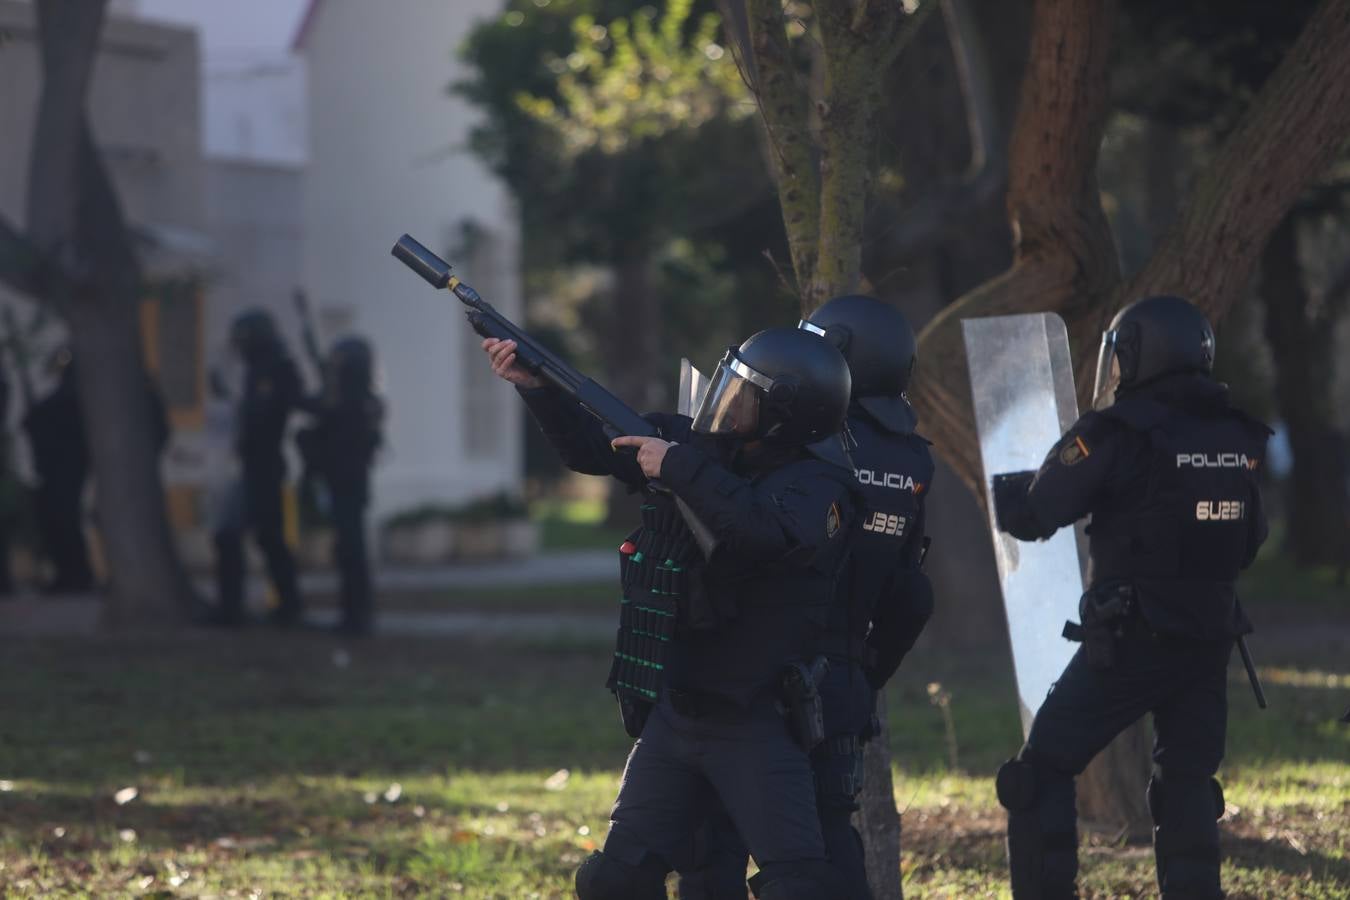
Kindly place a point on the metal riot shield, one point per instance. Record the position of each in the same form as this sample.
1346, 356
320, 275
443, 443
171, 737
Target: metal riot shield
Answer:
1021, 380
693, 385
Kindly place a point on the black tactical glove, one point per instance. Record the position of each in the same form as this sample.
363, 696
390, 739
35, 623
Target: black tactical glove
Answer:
1011, 509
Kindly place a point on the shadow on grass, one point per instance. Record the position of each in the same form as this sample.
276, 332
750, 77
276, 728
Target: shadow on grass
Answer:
1258, 853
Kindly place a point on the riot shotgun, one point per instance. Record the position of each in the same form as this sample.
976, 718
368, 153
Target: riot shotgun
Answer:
616, 416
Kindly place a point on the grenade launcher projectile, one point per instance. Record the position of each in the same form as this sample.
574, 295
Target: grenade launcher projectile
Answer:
616, 416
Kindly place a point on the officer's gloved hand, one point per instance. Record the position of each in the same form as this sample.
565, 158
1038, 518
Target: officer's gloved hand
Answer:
1011, 509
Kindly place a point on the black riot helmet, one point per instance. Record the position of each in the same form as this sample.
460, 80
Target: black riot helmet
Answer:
784, 386
351, 362
253, 333
1148, 339
881, 350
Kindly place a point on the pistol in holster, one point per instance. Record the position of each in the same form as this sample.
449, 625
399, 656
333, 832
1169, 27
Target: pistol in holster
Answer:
1103, 611
801, 703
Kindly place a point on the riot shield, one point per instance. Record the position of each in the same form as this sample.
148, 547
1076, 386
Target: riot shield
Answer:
693, 385
1021, 380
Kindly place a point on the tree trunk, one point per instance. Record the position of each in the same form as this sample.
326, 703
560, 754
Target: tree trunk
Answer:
1302, 343
92, 278
1291, 132
877, 819
632, 323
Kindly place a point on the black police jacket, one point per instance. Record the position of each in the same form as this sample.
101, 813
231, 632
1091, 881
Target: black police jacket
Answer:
1168, 474
340, 445
271, 392
781, 524
886, 588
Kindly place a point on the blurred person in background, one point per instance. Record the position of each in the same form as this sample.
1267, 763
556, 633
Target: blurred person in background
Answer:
61, 462
271, 391
339, 450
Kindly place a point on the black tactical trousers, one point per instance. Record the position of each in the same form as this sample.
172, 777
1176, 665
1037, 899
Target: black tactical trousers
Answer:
349, 526
263, 517
683, 768
1184, 684
720, 856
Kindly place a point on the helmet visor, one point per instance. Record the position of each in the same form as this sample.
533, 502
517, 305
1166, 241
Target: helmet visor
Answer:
731, 404
1108, 371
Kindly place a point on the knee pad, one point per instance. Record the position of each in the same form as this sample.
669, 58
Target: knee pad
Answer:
1185, 837
1042, 837
1015, 785
802, 880
602, 877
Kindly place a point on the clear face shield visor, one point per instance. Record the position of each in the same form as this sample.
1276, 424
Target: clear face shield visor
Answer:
1108, 371
731, 404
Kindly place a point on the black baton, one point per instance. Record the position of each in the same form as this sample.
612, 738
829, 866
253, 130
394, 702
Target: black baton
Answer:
1251, 671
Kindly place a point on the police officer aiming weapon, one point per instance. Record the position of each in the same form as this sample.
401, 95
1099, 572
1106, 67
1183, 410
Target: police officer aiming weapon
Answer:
618, 418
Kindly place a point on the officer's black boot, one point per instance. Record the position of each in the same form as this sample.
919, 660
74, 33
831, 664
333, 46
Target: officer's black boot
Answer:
1186, 810
1042, 831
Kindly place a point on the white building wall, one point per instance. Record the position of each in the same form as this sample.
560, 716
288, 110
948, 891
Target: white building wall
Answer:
387, 156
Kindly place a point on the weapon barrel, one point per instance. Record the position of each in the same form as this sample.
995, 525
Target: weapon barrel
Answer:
435, 270
616, 416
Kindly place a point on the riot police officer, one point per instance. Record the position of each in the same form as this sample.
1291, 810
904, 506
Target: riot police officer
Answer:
340, 448
889, 599
1168, 474
271, 392
708, 637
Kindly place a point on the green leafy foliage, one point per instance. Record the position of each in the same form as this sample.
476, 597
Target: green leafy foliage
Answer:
639, 79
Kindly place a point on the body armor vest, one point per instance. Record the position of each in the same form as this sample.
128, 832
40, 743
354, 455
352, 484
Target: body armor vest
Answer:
1182, 542
658, 565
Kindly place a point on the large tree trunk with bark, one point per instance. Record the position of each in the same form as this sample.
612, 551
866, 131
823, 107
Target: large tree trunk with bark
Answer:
1301, 335
77, 257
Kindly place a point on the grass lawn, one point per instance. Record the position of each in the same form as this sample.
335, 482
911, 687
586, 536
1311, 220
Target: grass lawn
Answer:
299, 765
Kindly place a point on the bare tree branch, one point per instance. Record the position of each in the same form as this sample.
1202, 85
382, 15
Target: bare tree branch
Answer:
1291, 132
905, 228
736, 21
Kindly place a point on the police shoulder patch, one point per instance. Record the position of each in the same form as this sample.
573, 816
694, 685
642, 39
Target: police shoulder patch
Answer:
1074, 452
832, 521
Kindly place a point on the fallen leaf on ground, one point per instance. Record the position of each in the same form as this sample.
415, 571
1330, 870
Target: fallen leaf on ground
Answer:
393, 793
126, 795
558, 780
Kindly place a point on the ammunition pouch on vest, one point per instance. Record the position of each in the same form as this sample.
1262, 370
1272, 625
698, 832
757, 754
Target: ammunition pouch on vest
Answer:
660, 571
